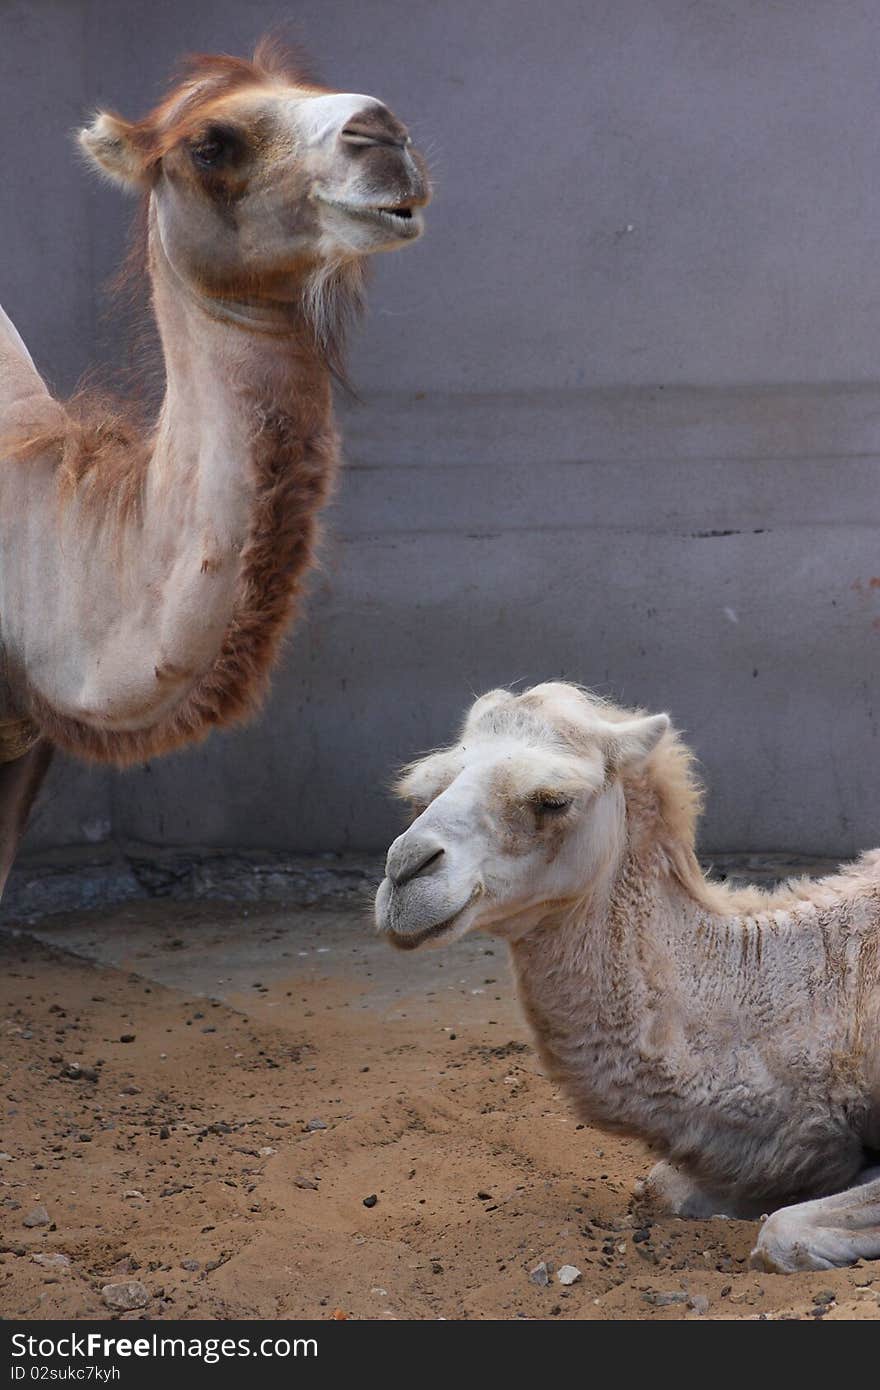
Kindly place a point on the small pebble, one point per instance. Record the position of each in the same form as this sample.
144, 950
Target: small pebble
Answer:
540, 1275
38, 1216
568, 1274
315, 1124
75, 1072
51, 1261
371, 1200
131, 1293
128, 1037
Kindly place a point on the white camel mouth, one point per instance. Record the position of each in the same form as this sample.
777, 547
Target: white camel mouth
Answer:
438, 931
404, 219
435, 933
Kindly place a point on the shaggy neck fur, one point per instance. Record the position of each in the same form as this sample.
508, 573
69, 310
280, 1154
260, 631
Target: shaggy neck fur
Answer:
205, 527
728, 1029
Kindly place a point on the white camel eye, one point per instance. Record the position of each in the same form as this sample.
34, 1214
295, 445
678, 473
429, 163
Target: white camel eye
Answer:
552, 805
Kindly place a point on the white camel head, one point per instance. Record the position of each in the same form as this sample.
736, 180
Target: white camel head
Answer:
516, 818
258, 177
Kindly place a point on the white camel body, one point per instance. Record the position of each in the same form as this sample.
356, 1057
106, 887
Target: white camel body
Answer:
736, 1032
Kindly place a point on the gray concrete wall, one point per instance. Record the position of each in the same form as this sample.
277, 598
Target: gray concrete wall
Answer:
621, 414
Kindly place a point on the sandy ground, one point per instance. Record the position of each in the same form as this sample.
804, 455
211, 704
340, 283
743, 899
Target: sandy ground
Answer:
217, 1035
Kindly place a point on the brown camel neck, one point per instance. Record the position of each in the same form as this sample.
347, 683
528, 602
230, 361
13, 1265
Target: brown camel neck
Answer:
209, 535
226, 352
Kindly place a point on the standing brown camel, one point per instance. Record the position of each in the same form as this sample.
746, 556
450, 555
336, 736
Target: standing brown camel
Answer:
147, 576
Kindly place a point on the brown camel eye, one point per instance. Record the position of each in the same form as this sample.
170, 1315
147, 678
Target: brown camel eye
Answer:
208, 153
552, 805
216, 146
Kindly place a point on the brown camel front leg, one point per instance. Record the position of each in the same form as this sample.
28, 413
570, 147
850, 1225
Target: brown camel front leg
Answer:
20, 780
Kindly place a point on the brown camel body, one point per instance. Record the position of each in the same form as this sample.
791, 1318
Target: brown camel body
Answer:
147, 576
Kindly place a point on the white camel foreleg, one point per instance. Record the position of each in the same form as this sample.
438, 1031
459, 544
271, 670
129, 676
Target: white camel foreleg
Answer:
823, 1234
671, 1190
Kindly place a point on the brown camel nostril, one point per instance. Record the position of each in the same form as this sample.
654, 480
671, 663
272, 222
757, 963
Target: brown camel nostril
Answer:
375, 126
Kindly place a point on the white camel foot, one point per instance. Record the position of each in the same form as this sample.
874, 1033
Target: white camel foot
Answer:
669, 1189
823, 1234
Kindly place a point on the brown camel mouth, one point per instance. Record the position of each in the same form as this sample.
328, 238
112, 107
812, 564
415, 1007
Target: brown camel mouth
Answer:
404, 218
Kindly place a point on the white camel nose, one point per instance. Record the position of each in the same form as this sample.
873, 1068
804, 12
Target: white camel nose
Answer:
410, 856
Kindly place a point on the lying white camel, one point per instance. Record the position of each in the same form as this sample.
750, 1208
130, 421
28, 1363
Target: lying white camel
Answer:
738, 1032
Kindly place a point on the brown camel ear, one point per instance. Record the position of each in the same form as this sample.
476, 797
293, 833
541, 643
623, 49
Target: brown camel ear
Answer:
112, 146
632, 741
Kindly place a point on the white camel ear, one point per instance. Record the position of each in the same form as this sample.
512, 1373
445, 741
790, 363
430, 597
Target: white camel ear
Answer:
110, 145
632, 741
482, 706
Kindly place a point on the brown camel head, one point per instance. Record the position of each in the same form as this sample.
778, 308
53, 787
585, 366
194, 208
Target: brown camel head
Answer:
262, 182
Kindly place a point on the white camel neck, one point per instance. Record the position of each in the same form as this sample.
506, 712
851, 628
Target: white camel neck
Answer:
603, 990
